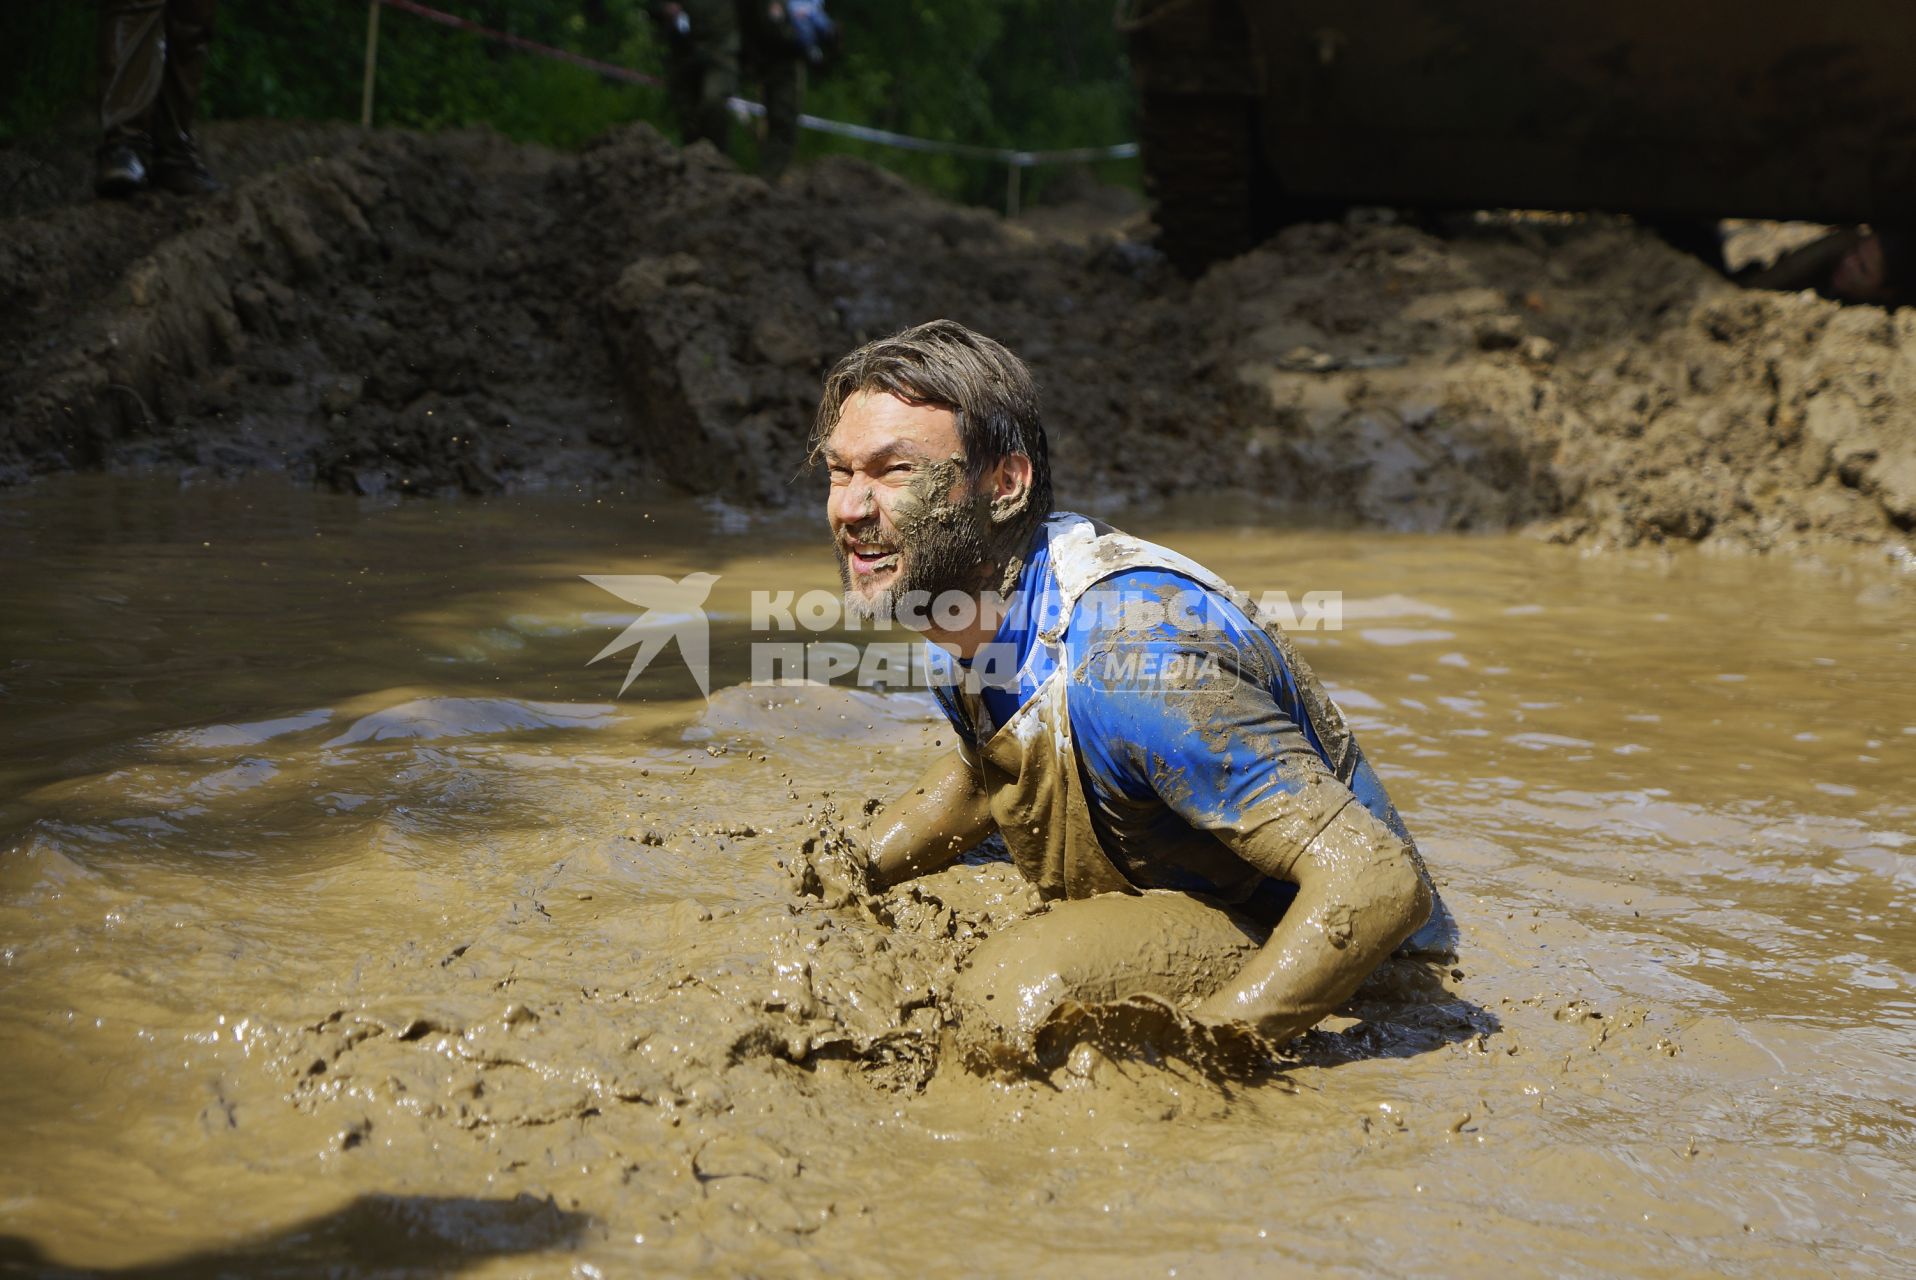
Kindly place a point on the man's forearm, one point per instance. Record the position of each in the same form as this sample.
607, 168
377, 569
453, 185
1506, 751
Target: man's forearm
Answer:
1359, 895
927, 828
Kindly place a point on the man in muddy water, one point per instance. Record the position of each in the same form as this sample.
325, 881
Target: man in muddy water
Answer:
1126, 721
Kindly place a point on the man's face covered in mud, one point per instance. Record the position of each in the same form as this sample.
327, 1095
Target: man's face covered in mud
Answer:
903, 517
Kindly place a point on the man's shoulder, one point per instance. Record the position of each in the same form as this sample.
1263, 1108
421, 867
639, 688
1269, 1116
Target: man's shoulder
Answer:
1156, 605
1085, 552
1132, 595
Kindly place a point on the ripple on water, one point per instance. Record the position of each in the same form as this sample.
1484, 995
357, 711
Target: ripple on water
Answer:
462, 717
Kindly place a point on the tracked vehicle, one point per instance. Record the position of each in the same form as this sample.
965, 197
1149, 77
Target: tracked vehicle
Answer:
1255, 113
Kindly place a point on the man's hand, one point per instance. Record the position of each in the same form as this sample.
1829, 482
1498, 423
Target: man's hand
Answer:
833, 867
926, 829
922, 831
1359, 894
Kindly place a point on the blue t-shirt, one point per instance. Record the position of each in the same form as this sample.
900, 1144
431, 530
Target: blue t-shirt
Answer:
1185, 716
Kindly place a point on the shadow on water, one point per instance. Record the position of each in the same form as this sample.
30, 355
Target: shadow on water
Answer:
372, 1235
1403, 1010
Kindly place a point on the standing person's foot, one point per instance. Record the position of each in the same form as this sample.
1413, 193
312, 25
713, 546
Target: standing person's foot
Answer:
178, 168
118, 170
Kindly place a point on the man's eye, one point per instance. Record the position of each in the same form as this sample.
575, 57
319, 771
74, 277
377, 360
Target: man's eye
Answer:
900, 469
839, 475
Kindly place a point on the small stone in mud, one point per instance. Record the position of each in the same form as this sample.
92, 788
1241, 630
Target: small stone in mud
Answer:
341, 393
1499, 333
743, 1157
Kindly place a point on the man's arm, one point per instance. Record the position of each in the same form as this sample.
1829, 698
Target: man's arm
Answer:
1219, 744
1359, 894
928, 827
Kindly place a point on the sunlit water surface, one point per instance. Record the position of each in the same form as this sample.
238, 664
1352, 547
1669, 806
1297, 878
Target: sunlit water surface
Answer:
349, 919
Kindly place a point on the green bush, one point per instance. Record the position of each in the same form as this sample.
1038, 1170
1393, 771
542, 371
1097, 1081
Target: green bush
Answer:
46, 64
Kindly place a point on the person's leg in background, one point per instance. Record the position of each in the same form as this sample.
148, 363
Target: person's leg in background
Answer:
774, 63
132, 52
177, 164
702, 43
783, 75
718, 82
152, 61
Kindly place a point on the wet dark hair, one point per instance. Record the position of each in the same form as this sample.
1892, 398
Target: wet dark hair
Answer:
947, 366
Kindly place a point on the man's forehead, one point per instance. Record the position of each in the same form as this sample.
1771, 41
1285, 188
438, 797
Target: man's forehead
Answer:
872, 422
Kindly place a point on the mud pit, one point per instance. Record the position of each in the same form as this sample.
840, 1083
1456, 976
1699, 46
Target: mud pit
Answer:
350, 922
402, 313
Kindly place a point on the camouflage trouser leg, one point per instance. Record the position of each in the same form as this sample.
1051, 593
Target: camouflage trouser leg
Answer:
784, 80
189, 29
152, 57
132, 65
704, 72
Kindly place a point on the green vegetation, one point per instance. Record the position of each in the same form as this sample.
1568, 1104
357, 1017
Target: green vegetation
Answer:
46, 63
1024, 73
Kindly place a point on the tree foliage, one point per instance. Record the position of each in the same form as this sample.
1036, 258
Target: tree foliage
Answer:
1017, 73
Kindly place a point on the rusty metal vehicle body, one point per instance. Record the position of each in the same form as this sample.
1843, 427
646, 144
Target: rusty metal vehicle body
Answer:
1258, 112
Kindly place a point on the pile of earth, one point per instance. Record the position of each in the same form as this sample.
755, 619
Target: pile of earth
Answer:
397, 312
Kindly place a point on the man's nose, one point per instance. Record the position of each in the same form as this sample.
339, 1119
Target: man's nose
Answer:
853, 501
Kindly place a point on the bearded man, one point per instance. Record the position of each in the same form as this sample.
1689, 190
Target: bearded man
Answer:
1126, 721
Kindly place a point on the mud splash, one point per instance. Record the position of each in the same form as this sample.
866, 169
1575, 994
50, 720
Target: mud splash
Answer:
354, 904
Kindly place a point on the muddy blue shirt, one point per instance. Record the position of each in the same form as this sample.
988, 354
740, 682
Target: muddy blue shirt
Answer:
1186, 720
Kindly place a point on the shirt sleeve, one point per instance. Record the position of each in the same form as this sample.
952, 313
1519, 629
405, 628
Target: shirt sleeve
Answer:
1182, 708
942, 674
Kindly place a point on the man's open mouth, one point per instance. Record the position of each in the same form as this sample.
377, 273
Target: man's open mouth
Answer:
871, 557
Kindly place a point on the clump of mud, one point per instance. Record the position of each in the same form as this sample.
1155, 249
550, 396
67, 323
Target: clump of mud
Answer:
395, 312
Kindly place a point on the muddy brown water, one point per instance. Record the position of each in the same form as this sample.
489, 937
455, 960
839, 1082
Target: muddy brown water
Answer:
349, 921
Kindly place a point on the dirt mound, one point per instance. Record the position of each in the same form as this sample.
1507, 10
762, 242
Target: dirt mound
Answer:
398, 314
408, 313
1585, 380
425, 313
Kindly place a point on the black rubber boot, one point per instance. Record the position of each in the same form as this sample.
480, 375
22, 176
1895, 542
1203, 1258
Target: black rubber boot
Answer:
119, 170
177, 165
178, 168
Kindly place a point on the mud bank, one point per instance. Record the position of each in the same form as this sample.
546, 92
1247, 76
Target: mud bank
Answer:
404, 313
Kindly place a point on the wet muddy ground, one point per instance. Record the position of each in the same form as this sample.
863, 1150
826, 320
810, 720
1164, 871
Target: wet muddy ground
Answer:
387, 312
349, 920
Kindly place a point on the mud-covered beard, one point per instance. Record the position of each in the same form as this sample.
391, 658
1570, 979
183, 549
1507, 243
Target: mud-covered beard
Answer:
944, 548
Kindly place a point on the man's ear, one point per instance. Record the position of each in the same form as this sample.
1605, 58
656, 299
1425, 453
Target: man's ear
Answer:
1010, 485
